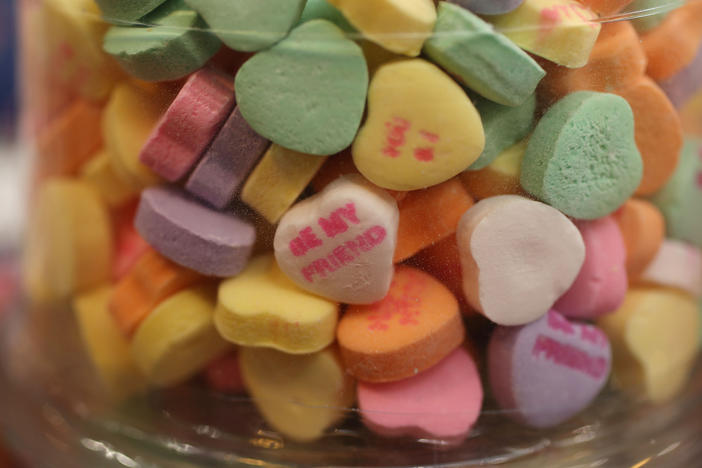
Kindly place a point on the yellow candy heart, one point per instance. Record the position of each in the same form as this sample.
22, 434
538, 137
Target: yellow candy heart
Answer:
130, 116
400, 26
69, 246
107, 347
278, 179
99, 174
562, 31
178, 339
655, 338
421, 129
72, 34
500, 177
300, 396
262, 307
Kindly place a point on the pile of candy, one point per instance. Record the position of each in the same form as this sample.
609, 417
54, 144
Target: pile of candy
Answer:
312, 200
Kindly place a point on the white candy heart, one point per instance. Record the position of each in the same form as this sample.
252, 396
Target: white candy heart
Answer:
517, 257
339, 244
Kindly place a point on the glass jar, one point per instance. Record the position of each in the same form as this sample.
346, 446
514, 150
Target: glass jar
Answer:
359, 234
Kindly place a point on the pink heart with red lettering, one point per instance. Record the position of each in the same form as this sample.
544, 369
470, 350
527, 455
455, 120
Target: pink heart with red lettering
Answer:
545, 372
340, 243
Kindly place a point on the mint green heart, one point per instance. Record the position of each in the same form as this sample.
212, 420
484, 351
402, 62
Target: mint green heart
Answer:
308, 92
249, 25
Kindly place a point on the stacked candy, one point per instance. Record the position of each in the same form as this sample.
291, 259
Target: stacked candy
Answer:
310, 201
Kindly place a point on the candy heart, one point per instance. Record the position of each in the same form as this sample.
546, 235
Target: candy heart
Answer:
488, 7
175, 45
193, 235
547, 371
681, 198
582, 157
189, 124
676, 265
602, 282
518, 256
306, 93
442, 402
249, 25
421, 128
562, 31
643, 230
98, 172
400, 27
262, 307
500, 177
322, 9
126, 10
411, 329
484, 60
340, 243
300, 396
655, 337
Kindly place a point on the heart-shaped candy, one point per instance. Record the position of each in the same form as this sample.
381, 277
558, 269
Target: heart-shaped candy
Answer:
306, 93
441, 402
518, 256
547, 371
421, 129
340, 243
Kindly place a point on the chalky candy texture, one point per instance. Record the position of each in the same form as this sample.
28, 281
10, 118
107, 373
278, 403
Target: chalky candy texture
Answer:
192, 235
681, 198
300, 396
421, 128
190, 123
126, 10
500, 177
178, 338
504, 126
262, 307
582, 157
683, 85
249, 25
518, 256
488, 7
307, 93
602, 282
442, 402
398, 26
340, 243
322, 9
226, 163
175, 46
484, 60
655, 338
547, 371
562, 31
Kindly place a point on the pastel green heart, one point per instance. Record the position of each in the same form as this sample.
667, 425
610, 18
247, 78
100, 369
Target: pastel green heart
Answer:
504, 126
173, 46
582, 157
126, 10
307, 93
249, 25
484, 60
322, 9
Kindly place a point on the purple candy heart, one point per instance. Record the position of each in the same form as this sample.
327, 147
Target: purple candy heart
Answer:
488, 7
545, 372
225, 165
192, 235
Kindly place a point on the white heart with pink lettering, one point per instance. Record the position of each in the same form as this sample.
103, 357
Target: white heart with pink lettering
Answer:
340, 243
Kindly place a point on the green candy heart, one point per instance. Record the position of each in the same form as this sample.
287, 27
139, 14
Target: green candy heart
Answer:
681, 198
504, 126
126, 10
322, 9
582, 158
308, 92
249, 25
173, 46
485, 61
